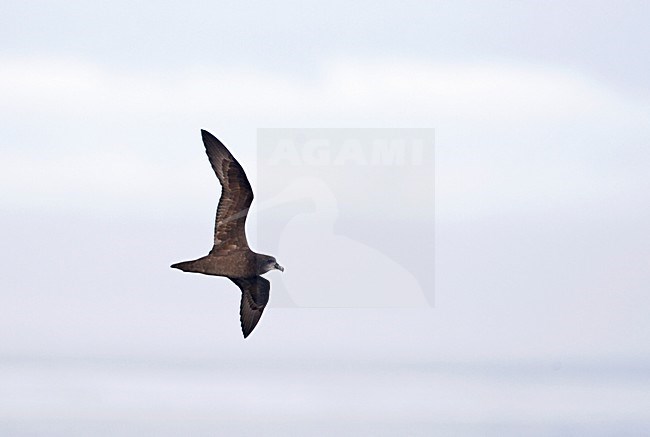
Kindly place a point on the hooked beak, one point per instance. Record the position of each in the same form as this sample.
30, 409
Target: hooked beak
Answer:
279, 267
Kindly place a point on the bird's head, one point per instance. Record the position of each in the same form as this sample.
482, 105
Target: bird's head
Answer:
267, 263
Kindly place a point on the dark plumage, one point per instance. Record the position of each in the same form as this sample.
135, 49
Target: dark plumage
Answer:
230, 256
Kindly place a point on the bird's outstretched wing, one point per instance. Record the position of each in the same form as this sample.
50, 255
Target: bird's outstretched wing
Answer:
254, 297
236, 196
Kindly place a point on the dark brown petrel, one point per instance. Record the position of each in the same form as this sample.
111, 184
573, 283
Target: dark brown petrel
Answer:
230, 256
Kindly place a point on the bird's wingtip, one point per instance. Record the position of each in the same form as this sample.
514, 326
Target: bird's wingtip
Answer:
246, 332
246, 329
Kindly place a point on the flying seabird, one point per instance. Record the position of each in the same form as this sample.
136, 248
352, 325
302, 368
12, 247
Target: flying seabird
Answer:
230, 256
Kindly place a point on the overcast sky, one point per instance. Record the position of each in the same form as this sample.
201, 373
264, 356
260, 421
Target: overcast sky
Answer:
541, 114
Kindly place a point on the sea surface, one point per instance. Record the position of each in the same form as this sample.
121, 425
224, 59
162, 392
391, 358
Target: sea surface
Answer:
157, 395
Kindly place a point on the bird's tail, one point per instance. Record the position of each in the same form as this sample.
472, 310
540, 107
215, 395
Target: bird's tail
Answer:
186, 266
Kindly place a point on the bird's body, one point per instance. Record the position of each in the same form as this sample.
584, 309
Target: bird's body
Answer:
236, 264
231, 256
